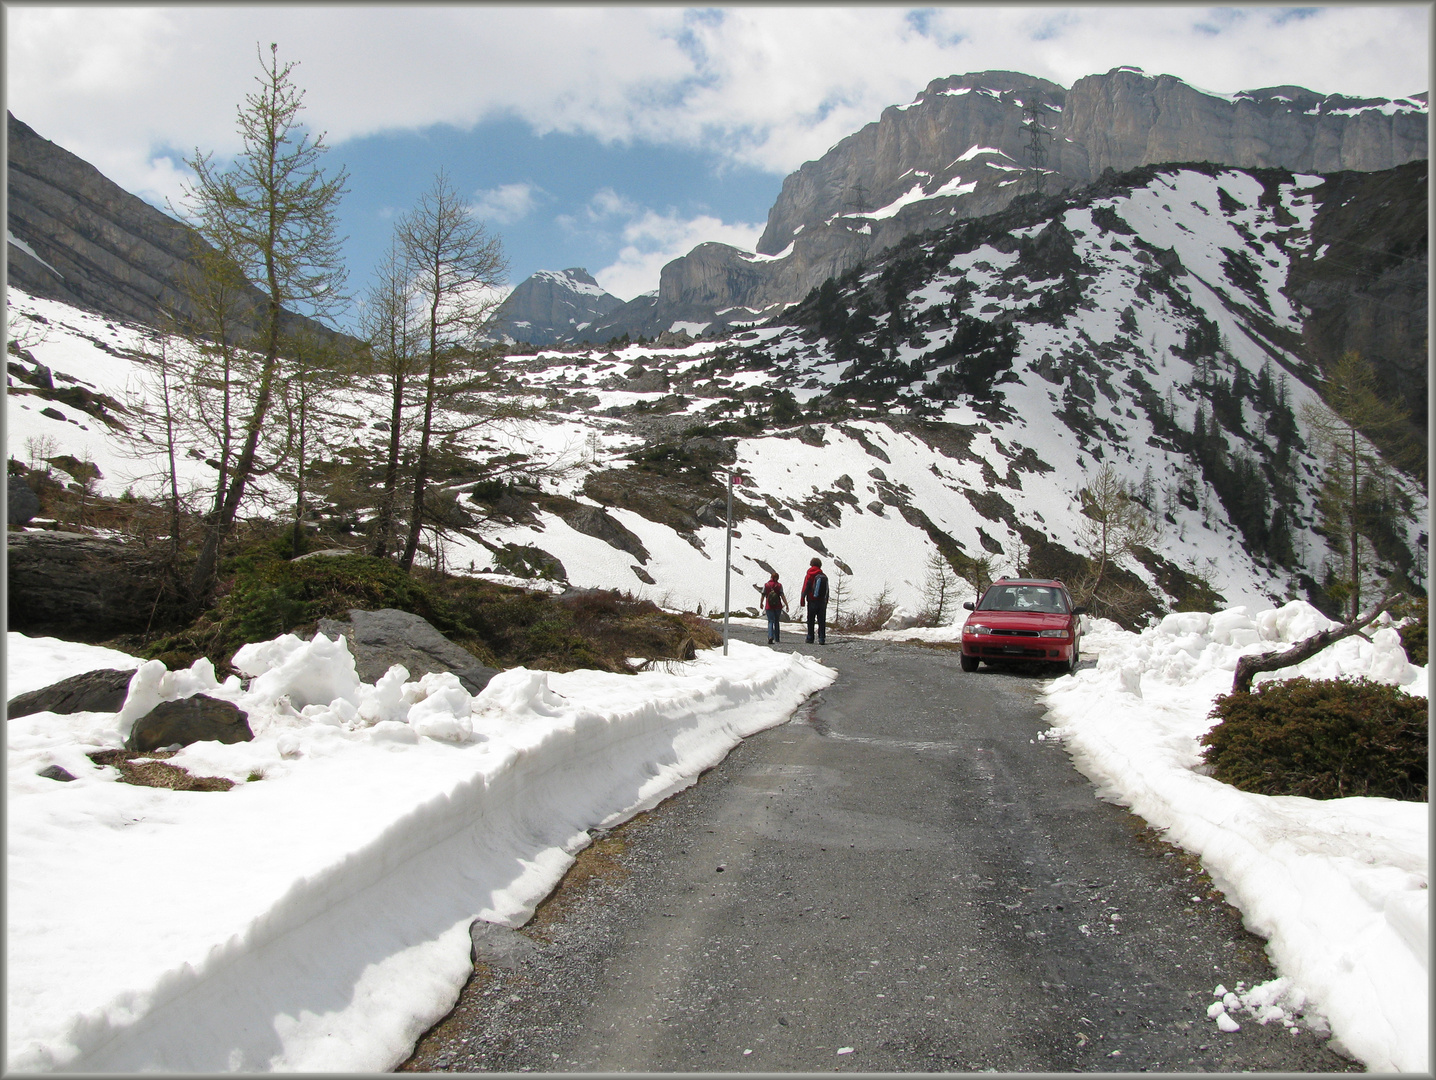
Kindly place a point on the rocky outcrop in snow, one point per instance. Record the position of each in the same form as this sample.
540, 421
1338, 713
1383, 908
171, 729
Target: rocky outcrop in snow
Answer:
379, 639
60, 579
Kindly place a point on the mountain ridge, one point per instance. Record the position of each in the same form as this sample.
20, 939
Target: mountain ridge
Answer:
76, 236
963, 148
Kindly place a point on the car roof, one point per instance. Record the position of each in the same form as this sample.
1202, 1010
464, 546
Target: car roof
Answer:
1028, 581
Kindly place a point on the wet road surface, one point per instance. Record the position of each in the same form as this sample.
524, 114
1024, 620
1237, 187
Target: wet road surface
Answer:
901, 878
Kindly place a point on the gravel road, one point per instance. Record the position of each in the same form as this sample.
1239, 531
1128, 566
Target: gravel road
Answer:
901, 878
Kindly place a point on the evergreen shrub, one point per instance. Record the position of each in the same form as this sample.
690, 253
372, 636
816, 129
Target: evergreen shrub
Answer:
1322, 739
1414, 635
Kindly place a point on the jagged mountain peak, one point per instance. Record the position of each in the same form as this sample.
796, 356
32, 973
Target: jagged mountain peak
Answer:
553, 305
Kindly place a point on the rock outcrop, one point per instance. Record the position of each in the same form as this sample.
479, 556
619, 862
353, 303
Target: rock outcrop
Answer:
83, 587
21, 504
966, 147
594, 521
379, 639
1363, 280
90, 691
1127, 118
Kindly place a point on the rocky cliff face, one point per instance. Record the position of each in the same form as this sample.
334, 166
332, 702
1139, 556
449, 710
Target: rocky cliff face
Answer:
82, 239
965, 148
1126, 118
1363, 280
553, 305
78, 237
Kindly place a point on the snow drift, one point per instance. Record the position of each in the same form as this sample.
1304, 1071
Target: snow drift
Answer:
315, 916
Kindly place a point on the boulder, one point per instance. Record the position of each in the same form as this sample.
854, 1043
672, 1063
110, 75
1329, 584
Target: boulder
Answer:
83, 587
21, 504
380, 639
55, 772
92, 691
190, 720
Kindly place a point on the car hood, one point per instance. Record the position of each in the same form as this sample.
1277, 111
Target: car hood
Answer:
1019, 620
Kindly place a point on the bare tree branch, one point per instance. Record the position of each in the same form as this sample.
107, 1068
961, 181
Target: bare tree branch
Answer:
1250, 666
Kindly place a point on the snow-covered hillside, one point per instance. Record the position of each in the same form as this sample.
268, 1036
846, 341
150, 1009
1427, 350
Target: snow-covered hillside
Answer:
959, 393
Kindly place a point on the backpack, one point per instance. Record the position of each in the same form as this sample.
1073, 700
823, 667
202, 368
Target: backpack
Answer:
772, 596
819, 591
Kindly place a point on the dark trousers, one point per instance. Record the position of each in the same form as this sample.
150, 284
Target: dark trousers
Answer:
818, 615
773, 624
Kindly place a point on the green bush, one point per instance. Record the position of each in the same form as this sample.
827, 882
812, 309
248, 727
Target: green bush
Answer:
1321, 738
262, 596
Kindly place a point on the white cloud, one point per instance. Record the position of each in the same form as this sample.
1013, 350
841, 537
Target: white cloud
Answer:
507, 204
766, 86
650, 239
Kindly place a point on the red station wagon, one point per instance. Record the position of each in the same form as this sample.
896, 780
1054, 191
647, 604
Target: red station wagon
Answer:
1027, 619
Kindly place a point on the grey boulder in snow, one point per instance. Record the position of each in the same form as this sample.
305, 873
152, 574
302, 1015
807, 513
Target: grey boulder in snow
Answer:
92, 691
200, 718
380, 639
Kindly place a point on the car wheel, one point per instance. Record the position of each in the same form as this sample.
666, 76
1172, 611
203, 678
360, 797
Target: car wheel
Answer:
969, 663
1071, 664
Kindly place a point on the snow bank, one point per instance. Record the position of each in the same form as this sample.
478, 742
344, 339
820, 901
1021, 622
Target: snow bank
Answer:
1337, 887
315, 916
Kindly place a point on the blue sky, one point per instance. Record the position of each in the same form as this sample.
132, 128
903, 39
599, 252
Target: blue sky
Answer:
558, 200
617, 138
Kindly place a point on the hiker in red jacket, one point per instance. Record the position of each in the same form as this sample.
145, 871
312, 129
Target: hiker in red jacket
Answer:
774, 603
815, 596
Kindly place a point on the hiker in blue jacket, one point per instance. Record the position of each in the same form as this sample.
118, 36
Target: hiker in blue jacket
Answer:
815, 596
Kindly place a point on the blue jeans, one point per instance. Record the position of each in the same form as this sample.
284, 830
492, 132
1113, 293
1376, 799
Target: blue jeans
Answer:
773, 625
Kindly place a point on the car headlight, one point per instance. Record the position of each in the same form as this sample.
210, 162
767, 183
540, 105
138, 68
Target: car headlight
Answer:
977, 630
1054, 633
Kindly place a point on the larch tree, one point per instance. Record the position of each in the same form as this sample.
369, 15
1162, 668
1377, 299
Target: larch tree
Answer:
319, 365
939, 594
455, 266
389, 322
274, 212
1114, 524
1359, 488
191, 384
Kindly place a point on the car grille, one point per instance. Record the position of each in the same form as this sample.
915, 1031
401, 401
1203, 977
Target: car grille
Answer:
1011, 651
1015, 633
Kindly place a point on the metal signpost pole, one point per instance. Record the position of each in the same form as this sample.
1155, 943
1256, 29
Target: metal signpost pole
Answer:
728, 562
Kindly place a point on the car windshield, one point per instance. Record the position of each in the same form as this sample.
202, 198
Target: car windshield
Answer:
1023, 598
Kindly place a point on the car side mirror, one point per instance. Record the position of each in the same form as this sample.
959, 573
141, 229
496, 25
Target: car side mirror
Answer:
968, 605
1080, 609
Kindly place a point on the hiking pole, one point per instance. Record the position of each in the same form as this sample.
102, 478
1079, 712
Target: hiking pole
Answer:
728, 562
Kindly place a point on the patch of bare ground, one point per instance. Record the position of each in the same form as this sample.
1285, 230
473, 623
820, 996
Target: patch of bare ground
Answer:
148, 769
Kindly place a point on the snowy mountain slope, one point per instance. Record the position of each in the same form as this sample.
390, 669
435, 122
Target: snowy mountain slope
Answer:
955, 396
